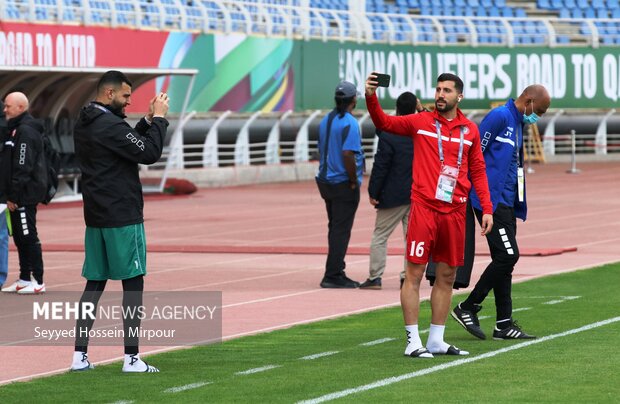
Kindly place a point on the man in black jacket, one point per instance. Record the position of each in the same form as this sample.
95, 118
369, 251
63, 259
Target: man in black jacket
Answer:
109, 151
389, 190
26, 188
5, 170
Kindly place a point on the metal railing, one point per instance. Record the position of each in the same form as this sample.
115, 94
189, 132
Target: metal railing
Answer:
260, 18
302, 147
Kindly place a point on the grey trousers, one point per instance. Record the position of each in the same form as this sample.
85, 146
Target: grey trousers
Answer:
385, 223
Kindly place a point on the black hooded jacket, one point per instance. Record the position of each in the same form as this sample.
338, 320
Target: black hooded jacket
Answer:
109, 151
390, 179
28, 176
5, 156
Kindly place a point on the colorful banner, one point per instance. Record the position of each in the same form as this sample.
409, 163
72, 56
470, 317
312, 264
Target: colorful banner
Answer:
246, 73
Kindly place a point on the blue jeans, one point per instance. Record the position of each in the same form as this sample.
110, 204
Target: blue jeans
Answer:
4, 248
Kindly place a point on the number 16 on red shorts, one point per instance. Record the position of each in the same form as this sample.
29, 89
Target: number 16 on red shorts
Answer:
441, 235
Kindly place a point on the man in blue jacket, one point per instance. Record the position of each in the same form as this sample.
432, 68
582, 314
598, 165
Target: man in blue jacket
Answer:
501, 133
389, 190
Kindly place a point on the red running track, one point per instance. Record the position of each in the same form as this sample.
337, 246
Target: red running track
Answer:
267, 291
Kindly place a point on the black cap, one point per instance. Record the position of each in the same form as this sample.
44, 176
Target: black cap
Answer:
345, 89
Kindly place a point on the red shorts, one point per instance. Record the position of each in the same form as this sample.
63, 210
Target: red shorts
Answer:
441, 235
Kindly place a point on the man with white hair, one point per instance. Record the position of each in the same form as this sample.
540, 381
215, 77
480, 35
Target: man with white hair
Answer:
25, 189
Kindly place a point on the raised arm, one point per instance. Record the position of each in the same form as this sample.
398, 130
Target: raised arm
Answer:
399, 125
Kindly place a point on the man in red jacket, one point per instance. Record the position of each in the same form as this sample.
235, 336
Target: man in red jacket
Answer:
446, 150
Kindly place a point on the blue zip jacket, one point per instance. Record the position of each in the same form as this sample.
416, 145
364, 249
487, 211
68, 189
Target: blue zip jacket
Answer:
500, 132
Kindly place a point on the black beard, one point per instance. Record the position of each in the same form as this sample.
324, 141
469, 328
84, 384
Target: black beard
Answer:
116, 110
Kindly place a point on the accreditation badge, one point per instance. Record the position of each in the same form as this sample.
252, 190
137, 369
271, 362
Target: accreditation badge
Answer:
447, 183
521, 183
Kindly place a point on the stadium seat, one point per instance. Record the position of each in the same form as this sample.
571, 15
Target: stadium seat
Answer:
507, 12
602, 13
576, 13
569, 4
583, 4
563, 39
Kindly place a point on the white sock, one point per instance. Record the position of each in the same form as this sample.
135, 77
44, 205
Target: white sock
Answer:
435, 342
413, 338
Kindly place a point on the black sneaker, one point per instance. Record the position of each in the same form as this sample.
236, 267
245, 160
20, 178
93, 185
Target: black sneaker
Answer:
371, 284
342, 282
469, 320
512, 332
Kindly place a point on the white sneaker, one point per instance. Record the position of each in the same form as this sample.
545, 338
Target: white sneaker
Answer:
133, 363
16, 286
80, 362
33, 289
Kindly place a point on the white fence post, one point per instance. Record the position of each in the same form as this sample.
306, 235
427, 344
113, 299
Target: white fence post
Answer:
209, 150
301, 141
242, 145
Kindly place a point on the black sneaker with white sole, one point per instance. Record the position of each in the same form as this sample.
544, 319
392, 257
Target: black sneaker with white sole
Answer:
469, 320
514, 331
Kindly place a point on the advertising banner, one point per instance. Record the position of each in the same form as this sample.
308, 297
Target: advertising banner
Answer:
249, 73
575, 77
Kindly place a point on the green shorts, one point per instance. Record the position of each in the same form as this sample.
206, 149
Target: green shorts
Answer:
114, 253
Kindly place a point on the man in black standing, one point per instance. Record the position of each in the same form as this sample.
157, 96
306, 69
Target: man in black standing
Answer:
5, 169
27, 186
109, 151
502, 132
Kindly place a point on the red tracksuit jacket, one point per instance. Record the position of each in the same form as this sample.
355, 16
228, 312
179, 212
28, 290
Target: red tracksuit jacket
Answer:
426, 165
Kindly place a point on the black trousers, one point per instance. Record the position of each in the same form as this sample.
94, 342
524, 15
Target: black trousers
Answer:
24, 224
341, 203
504, 255
132, 300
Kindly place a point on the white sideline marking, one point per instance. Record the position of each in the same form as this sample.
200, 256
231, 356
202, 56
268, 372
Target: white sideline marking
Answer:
563, 299
123, 402
178, 389
319, 355
377, 341
258, 370
458, 362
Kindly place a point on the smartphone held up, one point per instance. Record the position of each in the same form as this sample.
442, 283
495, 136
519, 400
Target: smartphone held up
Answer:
383, 80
